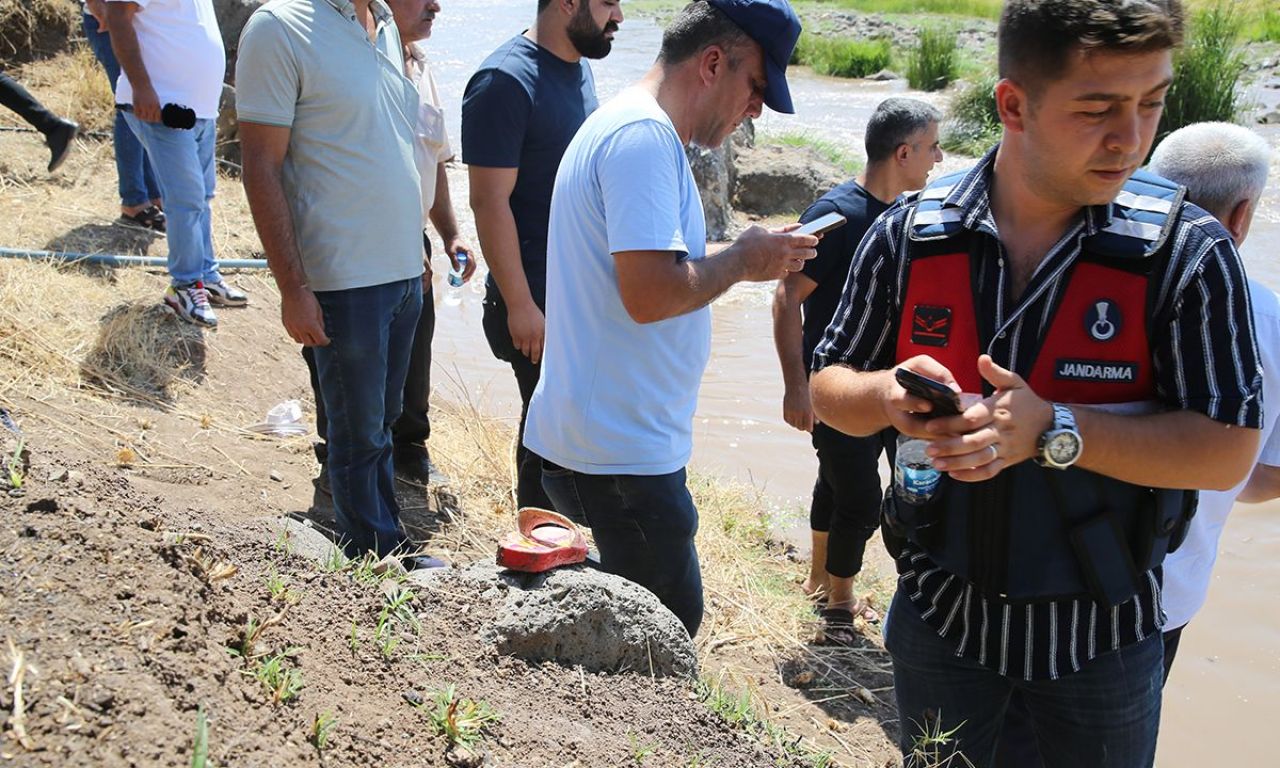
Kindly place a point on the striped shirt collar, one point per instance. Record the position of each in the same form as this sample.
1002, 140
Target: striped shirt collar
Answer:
972, 195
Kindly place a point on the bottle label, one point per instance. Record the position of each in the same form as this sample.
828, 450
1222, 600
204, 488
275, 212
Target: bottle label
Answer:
916, 483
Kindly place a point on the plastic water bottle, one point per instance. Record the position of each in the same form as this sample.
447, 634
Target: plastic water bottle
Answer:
914, 477
453, 294
455, 275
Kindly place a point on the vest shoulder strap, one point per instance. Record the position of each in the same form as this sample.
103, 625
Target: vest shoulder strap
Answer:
932, 218
1142, 216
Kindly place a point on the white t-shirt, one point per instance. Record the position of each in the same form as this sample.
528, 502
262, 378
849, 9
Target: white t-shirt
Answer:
182, 51
615, 396
1186, 571
431, 145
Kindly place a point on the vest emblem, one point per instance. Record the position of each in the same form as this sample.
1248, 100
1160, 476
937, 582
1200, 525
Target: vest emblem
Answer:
1102, 320
930, 326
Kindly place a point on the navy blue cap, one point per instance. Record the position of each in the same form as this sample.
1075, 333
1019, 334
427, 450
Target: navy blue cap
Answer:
774, 25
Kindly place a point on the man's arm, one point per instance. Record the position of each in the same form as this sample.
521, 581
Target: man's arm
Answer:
98, 10
264, 148
496, 225
124, 42
788, 338
1263, 485
446, 224
657, 285
1171, 449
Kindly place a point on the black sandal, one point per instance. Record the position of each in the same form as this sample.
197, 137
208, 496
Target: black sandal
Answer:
151, 218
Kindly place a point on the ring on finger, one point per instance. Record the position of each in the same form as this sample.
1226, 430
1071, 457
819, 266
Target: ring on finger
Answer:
995, 451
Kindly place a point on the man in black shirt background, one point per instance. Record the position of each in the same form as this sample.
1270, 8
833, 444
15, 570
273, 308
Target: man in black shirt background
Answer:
902, 148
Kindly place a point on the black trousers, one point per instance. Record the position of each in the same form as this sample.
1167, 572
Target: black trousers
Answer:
16, 98
529, 492
413, 428
846, 496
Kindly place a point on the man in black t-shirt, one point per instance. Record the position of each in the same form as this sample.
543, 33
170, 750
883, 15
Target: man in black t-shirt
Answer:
902, 147
519, 112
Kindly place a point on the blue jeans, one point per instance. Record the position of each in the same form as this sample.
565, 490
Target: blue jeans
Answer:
362, 373
183, 162
137, 184
1107, 714
644, 528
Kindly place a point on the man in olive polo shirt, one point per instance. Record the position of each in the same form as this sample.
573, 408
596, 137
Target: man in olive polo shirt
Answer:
327, 128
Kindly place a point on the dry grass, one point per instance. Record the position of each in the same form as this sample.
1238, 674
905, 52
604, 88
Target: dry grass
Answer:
30, 28
73, 85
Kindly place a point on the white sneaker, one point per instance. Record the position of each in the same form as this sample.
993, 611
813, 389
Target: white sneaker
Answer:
191, 303
223, 295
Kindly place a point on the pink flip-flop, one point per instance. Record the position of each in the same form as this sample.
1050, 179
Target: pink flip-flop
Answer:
546, 540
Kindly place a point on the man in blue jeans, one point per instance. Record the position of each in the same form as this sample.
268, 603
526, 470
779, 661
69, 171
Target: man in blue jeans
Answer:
1083, 307
172, 62
628, 288
327, 128
139, 193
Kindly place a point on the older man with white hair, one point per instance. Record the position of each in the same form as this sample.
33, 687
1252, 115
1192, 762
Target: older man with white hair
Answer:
1224, 168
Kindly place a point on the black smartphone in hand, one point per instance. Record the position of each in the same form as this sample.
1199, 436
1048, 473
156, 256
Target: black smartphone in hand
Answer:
178, 116
944, 399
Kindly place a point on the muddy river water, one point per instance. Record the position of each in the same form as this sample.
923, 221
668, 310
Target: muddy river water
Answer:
1227, 677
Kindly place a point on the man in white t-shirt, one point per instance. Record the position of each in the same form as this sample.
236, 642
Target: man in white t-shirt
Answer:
1224, 168
172, 62
628, 288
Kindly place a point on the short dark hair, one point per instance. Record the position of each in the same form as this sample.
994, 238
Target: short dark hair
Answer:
1037, 36
698, 26
542, 5
894, 122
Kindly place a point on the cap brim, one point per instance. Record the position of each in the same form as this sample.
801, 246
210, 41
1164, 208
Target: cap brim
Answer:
777, 96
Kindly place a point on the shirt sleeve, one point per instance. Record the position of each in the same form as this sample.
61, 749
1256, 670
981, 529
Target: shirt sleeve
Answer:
861, 332
267, 81
639, 176
1206, 356
495, 116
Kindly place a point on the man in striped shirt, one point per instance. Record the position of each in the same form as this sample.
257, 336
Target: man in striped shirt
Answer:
1035, 567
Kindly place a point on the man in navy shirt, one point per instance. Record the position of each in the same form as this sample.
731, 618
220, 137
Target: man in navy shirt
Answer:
519, 112
902, 147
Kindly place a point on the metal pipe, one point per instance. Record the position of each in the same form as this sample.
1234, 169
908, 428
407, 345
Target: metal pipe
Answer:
113, 260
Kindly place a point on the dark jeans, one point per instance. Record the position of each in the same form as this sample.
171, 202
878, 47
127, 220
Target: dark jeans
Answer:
846, 496
529, 492
18, 99
1018, 748
361, 374
644, 527
1107, 714
411, 431
133, 169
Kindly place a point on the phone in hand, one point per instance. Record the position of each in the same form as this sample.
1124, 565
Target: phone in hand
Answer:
944, 399
824, 223
178, 116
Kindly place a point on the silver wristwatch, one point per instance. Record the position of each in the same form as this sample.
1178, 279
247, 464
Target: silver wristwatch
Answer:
1061, 444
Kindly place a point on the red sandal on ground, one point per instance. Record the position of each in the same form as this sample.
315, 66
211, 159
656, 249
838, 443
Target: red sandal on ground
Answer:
546, 540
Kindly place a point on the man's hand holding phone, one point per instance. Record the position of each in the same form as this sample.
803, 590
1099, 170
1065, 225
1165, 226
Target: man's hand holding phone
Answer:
922, 389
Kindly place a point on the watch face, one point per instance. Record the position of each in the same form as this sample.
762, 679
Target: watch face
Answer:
1062, 448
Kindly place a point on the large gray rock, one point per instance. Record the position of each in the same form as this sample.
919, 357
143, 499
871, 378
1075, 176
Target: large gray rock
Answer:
232, 15
715, 172
774, 179
575, 616
228, 141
